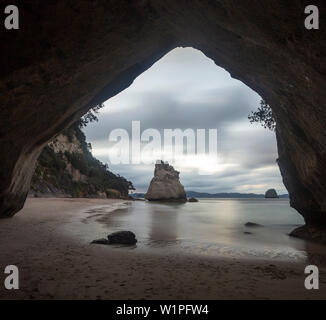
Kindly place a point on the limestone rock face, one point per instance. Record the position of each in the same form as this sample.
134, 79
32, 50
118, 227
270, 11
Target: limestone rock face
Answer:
271, 194
165, 186
62, 144
55, 67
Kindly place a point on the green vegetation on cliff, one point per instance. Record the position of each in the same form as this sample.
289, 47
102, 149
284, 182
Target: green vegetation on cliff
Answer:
66, 167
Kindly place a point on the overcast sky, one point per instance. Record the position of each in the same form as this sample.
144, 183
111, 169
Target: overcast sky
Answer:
184, 90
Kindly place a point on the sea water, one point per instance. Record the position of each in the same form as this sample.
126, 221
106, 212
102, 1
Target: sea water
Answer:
214, 227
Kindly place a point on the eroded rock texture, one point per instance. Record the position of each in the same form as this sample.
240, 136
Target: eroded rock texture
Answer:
165, 186
69, 55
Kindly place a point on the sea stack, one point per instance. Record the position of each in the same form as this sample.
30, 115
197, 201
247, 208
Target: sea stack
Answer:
271, 194
165, 186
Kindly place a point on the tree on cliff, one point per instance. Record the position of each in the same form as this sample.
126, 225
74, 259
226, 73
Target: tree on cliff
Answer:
264, 116
90, 116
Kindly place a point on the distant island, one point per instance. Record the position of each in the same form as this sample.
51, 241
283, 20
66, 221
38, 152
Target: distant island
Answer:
225, 195
271, 194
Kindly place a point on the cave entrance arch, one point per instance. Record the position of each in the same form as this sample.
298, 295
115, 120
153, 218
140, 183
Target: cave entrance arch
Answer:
57, 66
185, 93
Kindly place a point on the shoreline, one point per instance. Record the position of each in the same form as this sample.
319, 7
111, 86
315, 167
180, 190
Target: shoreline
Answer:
56, 262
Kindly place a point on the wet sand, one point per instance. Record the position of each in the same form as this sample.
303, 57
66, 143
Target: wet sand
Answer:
56, 261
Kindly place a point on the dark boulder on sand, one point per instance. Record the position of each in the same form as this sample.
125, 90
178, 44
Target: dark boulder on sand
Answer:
311, 233
192, 199
119, 237
122, 237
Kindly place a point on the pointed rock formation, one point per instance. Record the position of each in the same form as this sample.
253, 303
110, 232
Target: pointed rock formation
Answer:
165, 186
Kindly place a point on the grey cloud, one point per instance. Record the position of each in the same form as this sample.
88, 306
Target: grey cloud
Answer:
162, 111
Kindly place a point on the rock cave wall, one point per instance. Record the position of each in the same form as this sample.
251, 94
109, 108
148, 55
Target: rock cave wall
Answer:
69, 55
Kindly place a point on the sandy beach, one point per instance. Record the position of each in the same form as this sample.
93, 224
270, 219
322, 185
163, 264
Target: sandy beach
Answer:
56, 261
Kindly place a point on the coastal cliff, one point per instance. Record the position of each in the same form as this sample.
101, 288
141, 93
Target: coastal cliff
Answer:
67, 168
165, 186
